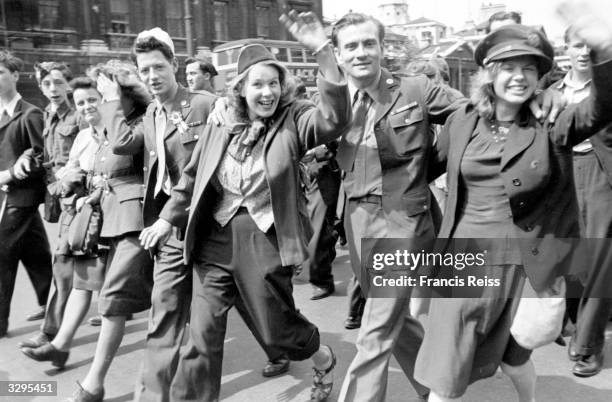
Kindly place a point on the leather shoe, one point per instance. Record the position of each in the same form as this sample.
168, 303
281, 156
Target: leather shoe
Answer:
323, 381
39, 340
39, 314
321, 292
95, 321
352, 322
589, 365
81, 395
47, 352
571, 352
276, 367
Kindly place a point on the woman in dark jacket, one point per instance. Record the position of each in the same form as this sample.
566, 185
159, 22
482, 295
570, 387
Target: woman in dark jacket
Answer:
245, 214
510, 179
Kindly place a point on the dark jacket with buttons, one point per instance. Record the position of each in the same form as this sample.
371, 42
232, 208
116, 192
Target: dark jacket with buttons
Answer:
403, 116
536, 168
179, 143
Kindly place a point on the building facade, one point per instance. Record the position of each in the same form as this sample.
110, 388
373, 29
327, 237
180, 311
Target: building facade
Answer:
85, 32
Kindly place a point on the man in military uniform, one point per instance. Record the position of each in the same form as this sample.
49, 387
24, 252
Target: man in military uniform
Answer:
169, 131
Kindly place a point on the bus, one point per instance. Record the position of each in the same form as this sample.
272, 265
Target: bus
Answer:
293, 55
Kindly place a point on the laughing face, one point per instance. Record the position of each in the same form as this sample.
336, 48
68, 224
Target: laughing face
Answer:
516, 80
262, 90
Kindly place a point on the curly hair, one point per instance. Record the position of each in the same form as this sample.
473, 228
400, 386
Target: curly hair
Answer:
150, 44
482, 94
237, 102
126, 75
43, 69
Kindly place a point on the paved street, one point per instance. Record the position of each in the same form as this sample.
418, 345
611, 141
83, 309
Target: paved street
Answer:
244, 359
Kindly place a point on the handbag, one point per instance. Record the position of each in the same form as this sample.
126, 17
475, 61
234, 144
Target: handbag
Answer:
84, 231
539, 316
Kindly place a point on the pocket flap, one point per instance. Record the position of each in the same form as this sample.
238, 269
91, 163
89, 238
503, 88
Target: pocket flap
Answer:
129, 193
407, 117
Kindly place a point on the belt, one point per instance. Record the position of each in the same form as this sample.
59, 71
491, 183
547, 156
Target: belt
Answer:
370, 198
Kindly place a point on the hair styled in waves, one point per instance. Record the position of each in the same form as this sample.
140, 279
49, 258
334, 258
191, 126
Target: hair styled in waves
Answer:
237, 102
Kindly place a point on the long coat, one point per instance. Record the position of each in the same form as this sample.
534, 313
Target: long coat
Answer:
192, 107
299, 126
536, 169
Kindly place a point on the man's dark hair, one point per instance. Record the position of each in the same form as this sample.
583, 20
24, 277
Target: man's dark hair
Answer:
11, 62
356, 19
205, 66
43, 69
151, 44
502, 16
82, 83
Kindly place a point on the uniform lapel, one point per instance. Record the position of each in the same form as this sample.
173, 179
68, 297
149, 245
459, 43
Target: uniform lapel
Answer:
519, 139
178, 110
15, 115
388, 94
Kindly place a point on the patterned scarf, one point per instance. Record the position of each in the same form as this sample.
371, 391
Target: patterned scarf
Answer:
245, 136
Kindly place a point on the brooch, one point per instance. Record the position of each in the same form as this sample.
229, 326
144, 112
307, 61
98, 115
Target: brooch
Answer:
177, 119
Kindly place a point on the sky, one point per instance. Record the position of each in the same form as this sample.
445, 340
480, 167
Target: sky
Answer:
456, 12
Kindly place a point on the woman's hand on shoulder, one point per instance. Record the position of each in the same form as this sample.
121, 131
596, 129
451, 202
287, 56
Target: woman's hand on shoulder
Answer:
219, 114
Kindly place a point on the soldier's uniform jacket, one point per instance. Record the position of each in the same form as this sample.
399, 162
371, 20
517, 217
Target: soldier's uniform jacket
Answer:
179, 139
61, 128
119, 179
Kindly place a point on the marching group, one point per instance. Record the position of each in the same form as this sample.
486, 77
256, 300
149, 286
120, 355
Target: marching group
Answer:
174, 200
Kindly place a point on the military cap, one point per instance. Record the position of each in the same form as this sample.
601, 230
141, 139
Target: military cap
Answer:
512, 41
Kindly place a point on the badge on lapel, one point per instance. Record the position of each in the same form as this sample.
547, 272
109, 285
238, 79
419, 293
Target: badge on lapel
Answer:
177, 119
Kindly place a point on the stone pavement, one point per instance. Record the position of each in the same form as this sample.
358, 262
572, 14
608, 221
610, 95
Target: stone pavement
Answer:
244, 359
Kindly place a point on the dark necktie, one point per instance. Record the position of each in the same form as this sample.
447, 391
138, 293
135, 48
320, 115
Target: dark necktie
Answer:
347, 149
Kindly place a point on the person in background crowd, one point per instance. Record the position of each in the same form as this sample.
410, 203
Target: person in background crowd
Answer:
61, 128
200, 74
167, 135
500, 160
245, 215
321, 184
437, 70
593, 181
502, 18
22, 234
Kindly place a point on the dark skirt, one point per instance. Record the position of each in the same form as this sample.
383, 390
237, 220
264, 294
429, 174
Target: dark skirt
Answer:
129, 278
467, 339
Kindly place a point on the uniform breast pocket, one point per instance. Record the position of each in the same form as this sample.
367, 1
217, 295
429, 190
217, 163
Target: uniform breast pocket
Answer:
407, 127
65, 138
193, 132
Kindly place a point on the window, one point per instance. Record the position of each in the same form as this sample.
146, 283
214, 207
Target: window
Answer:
119, 10
221, 20
174, 18
263, 21
48, 13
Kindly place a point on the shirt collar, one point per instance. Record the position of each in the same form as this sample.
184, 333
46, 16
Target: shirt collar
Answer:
372, 90
569, 82
10, 107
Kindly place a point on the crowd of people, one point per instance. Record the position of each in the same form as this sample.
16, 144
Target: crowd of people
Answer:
172, 200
